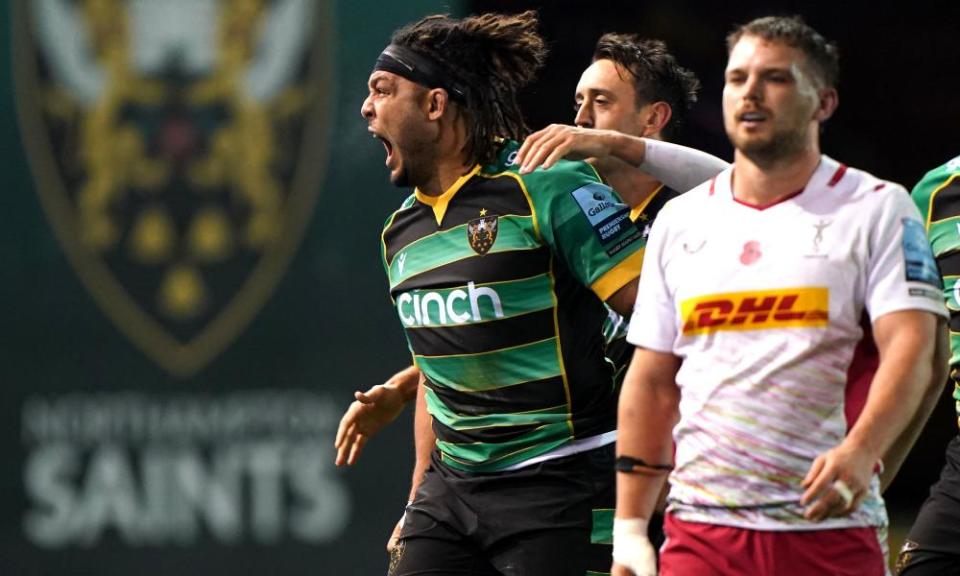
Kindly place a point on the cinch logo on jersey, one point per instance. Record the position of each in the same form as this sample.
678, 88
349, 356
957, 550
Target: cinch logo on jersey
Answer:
761, 310
446, 307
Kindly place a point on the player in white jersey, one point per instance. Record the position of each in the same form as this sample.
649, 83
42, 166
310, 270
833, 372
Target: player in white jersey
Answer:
750, 305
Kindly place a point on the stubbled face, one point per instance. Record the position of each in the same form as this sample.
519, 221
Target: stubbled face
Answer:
396, 112
606, 99
770, 99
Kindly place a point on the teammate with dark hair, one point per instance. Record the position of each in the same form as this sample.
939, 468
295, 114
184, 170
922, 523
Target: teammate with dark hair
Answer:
655, 74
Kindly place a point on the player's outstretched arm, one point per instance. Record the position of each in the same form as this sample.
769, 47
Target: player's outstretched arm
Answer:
679, 167
371, 411
839, 479
647, 412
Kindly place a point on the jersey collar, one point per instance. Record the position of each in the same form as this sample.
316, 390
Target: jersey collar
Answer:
440, 203
828, 174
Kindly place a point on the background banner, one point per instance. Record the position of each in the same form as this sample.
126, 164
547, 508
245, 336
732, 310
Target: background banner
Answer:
193, 288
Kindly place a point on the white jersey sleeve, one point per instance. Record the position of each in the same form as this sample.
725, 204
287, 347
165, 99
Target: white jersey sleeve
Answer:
653, 324
679, 167
902, 273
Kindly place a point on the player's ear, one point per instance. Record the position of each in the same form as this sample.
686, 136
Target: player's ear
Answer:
437, 101
658, 116
829, 100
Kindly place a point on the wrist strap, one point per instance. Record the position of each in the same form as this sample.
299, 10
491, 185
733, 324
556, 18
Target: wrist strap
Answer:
630, 526
632, 465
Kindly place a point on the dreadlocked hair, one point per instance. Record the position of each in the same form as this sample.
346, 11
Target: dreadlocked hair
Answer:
493, 56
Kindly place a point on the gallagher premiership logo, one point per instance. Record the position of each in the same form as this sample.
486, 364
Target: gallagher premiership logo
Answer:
177, 149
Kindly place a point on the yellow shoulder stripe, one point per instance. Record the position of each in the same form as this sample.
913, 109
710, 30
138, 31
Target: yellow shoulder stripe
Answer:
618, 276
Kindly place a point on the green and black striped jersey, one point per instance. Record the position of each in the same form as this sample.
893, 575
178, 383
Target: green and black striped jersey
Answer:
499, 283
615, 326
938, 197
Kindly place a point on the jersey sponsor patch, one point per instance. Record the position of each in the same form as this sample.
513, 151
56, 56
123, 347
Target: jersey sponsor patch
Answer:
605, 212
917, 254
804, 307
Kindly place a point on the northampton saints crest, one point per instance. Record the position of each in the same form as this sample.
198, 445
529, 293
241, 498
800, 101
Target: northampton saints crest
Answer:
178, 150
482, 233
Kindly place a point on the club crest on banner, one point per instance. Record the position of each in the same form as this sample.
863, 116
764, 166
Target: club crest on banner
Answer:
178, 150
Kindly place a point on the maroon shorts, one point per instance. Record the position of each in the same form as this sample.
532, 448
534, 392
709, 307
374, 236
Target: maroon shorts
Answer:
699, 549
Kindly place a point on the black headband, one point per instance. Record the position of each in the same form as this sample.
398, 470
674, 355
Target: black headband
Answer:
418, 68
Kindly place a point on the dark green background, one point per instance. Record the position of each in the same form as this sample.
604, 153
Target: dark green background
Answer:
328, 328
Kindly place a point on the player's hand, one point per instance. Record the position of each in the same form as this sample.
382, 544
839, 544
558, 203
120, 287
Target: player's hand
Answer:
632, 551
395, 535
371, 411
837, 482
545, 147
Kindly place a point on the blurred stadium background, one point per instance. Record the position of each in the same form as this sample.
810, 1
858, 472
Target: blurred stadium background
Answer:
190, 270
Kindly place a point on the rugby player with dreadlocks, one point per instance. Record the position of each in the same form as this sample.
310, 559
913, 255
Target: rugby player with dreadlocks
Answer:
499, 280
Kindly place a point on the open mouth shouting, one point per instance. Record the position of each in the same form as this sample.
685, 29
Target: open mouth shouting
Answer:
387, 145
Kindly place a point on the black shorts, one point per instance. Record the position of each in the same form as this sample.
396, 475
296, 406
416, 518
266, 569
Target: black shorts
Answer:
553, 518
933, 545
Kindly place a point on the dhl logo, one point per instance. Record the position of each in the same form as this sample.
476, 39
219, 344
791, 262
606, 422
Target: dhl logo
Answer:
760, 310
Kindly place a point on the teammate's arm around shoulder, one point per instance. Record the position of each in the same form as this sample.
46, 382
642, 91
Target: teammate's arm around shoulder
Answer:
679, 167
648, 410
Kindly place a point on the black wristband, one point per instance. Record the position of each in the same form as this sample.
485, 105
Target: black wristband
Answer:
631, 465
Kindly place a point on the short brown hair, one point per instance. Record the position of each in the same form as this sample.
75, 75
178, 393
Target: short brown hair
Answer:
793, 31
